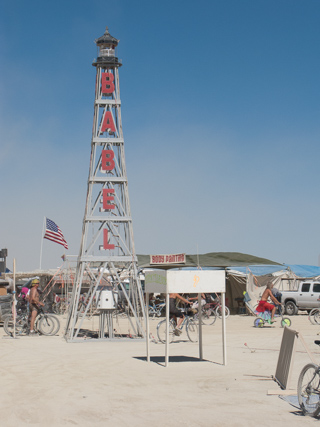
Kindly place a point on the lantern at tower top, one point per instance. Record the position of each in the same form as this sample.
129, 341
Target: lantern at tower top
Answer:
106, 51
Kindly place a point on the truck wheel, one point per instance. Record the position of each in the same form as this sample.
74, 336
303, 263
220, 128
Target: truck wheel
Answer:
291, 308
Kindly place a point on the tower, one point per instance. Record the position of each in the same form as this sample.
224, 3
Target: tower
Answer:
107, 260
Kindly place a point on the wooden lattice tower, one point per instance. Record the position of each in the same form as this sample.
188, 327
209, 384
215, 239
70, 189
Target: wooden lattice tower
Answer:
107, 255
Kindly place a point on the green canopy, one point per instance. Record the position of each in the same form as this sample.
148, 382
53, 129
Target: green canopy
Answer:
212, 259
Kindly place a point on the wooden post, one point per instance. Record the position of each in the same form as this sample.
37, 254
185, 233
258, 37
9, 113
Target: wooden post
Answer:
224, 346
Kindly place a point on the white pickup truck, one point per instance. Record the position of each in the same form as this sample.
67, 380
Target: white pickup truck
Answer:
305, 298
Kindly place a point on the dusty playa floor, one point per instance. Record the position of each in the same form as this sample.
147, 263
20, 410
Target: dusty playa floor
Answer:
48, 382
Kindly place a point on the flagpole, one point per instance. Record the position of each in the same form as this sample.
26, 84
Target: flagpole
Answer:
44, 220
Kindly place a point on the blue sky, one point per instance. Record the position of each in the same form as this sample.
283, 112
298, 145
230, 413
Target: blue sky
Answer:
220, 110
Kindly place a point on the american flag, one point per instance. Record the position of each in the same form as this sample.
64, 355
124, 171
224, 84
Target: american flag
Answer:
54, 233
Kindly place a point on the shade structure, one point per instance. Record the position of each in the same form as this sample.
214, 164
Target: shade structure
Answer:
188, 281
212, 259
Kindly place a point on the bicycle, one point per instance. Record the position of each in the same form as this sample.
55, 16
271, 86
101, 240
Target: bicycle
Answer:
188, 323
45, 324
208, 316
265, 316
314, 315
61, 305
216, 307
156, 309
308, 388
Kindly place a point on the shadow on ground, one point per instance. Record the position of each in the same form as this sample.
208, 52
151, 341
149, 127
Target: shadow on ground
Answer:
160, 360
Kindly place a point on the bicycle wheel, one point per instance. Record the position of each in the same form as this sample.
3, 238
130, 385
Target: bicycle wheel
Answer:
208, 316
162, 331
192, 330
218, 311
48, 324
152, 312
285, 322
21, 325
45, 325
159, 309
56, 329
258, 323
311, 315
316, 317
308, 390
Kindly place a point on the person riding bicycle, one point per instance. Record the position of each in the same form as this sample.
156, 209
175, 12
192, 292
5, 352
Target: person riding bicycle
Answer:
34, 303
175, 312
265, 305
195, 301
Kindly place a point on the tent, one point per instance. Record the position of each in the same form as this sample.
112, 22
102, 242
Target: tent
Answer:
253, 279
236, 282
211, 259
244, 272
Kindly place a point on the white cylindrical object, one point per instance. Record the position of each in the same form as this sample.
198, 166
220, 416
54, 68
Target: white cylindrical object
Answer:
106, 300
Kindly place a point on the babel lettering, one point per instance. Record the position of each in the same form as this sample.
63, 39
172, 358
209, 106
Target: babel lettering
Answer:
107, 85
106, 244
107, 162
107, 196
108, 123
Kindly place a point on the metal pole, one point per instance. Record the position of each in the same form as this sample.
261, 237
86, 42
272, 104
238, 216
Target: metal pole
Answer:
224, 346
200, 328
44, 220
148, 328
167, 330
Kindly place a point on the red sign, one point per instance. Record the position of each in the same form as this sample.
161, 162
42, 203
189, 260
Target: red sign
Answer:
106, 244
107, 85
107, 156
168, 259
107, 162
107, 197
108, 123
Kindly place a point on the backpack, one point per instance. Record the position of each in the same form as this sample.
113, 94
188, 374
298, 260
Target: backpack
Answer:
24, 292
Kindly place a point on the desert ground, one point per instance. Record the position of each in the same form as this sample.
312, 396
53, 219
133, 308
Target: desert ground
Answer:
49, 382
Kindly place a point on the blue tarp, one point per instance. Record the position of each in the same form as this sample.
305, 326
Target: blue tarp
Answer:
7, 271
305, 270
261, 270
258, 270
